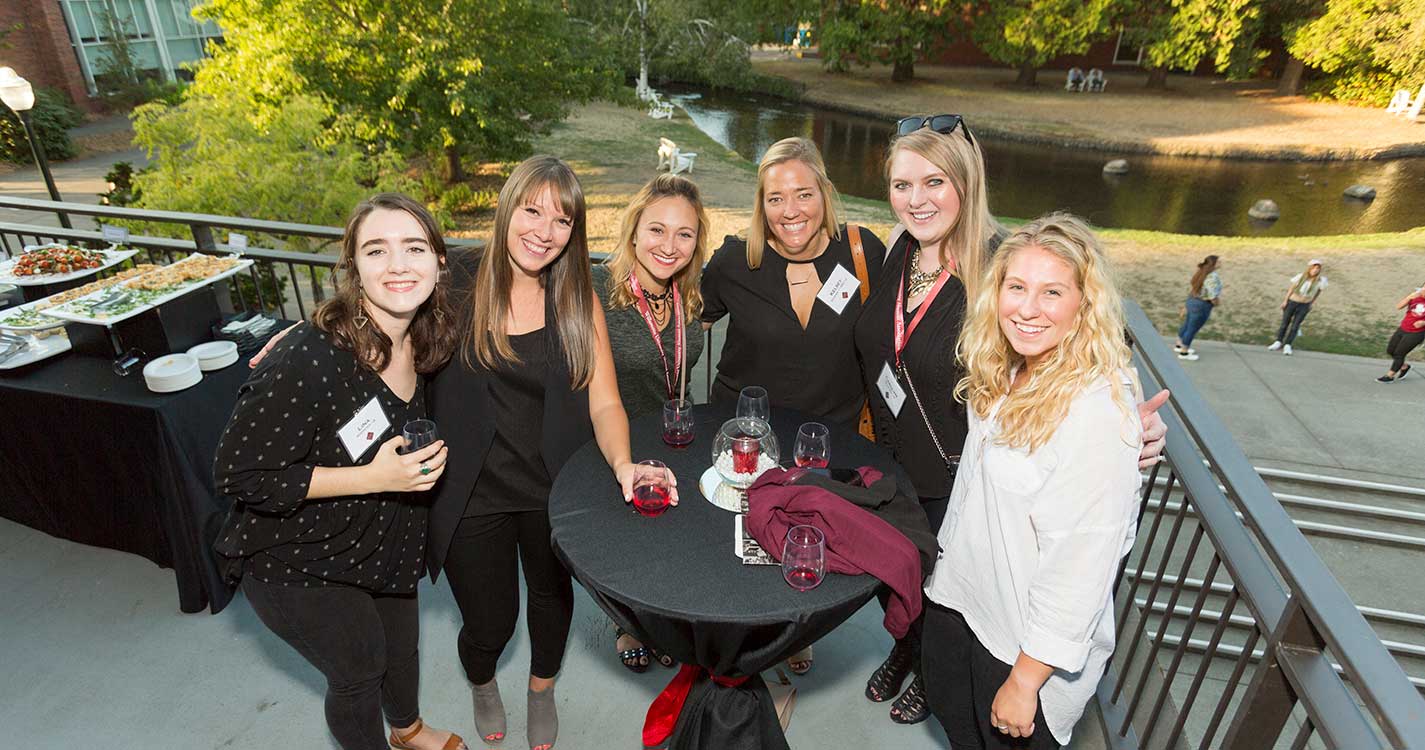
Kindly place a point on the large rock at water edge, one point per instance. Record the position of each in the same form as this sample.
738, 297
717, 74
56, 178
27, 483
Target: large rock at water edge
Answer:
1361, 192
1117, 166
1265, 210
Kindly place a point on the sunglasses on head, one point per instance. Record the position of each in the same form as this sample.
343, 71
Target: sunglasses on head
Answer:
943, 124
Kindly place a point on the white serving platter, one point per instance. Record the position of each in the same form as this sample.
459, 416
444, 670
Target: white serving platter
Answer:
71, 310
112, 258
40, 348
45, 323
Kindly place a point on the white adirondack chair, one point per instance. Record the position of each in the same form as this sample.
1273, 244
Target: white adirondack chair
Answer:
1415, 106
645, 92
676, 160
1398, 103
1075, 80
1096, 82
660, 110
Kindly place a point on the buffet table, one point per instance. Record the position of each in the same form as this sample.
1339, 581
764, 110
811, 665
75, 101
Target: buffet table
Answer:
675, 582
98, 459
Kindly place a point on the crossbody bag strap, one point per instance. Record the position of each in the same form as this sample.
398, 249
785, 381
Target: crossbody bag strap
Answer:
951, 462
858, 258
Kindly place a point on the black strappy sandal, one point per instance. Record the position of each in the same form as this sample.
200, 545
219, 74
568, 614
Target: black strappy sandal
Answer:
912, 707
886, 681
662, 657
636, 659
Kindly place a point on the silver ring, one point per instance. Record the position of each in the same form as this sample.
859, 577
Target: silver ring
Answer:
1004, 728
424, 469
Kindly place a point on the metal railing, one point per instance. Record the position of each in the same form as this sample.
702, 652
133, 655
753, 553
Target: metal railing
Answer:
1285, 658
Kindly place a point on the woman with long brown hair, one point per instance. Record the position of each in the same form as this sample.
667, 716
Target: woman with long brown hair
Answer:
327, 532
534, 380
1204, 294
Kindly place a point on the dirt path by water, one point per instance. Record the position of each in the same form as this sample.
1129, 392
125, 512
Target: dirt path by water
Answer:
1195, 116
614, 151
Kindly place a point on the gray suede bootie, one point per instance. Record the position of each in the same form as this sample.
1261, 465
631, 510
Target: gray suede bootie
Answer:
489, 712
542, 720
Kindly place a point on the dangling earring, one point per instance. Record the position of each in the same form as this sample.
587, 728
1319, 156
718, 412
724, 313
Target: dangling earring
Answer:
360, 317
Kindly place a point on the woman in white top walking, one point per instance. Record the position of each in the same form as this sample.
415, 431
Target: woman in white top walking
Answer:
1301, 294
1019, 627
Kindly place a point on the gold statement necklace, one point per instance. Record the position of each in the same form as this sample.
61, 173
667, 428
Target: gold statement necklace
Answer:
920, 281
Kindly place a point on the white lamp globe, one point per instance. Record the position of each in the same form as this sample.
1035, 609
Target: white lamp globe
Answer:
16, 92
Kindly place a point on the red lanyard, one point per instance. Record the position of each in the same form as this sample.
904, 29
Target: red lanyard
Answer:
668, 378
901, 332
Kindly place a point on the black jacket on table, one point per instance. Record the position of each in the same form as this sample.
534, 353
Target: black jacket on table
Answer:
460, 404
813, 370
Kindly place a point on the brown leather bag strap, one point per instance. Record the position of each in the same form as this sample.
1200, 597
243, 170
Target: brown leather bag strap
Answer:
858, 257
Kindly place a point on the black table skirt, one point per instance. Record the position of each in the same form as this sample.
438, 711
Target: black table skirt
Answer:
98, 459
675, 582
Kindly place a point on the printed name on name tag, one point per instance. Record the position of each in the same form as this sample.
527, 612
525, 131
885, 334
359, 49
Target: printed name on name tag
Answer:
364, 429
838, 290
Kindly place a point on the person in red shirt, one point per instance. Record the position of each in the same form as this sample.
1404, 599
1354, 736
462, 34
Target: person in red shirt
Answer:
1408, 336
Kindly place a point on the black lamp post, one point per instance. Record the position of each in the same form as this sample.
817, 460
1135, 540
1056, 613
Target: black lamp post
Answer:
19, 96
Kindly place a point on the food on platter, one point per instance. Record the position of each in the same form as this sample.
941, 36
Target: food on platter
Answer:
57, 259
192, 268
94, 286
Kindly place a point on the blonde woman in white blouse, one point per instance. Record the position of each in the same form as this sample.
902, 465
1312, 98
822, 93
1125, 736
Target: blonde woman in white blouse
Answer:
1020, 620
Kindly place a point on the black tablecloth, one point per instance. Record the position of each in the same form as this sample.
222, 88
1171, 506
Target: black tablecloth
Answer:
98, 459
674, 581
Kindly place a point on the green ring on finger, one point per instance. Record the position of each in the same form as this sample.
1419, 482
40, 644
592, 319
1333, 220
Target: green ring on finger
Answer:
424, 469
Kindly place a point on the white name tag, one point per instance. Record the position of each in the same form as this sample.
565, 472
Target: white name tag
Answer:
238, 241
114, 235
364, 429
890, 389
837, 290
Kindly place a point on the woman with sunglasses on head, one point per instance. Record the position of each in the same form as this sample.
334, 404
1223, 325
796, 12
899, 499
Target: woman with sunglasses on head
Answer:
328, 527
533, 381
650, 293
1019, 626
792, 292
907, 335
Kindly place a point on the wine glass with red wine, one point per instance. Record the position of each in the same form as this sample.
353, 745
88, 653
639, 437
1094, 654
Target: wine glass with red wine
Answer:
804, 557
813, 447
651, 488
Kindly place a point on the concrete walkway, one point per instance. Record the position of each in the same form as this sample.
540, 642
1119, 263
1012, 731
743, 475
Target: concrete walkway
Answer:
78, 180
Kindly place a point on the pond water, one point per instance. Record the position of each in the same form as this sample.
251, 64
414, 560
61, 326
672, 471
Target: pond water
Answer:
1188, 195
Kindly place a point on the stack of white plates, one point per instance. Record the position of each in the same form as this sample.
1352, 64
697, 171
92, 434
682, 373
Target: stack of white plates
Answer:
172, 372
214, 355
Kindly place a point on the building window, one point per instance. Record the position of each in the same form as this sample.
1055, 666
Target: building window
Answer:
162, 34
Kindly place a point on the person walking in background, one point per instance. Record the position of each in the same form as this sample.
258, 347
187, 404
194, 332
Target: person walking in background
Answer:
1300, 296
1408, 336
1204, 293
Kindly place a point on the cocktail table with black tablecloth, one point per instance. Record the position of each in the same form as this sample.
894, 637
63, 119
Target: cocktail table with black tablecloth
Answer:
99, 459
674, 581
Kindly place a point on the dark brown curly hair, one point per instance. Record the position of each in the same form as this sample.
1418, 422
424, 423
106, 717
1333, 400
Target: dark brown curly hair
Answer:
434, 330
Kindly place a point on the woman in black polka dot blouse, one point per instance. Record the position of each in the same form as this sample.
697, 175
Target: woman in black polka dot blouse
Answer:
328, 528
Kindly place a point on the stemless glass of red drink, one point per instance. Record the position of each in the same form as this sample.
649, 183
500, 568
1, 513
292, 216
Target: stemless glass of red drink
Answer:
745, 451
804, 557
652, 492
678, 422
813, 446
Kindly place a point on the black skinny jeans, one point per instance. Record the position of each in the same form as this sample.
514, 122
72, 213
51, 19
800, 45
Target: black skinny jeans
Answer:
365, 644
1292, 315
483, 569
1401, 344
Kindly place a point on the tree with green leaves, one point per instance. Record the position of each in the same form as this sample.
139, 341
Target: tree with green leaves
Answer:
456, 77
1027, 34
1180, 34
1368, 48
894, 32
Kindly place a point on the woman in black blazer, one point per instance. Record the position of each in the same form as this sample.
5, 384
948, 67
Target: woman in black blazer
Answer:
533, 381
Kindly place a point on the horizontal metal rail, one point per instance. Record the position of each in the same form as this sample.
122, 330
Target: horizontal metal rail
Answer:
1327, 479
1327, 529
1372, 613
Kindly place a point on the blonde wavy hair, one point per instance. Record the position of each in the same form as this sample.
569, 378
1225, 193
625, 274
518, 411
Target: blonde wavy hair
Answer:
804, 151
624, 258
967, 243
1093, 348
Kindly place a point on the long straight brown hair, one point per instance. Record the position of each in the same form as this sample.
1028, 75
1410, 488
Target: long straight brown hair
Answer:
433, 330
1207, 266
568, 278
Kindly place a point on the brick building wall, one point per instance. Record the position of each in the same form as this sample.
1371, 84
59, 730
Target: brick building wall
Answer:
40, 49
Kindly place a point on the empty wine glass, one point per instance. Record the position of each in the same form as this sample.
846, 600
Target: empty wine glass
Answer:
804, 557
813, 447
752, 402
418, 433
651, 488
678, 422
